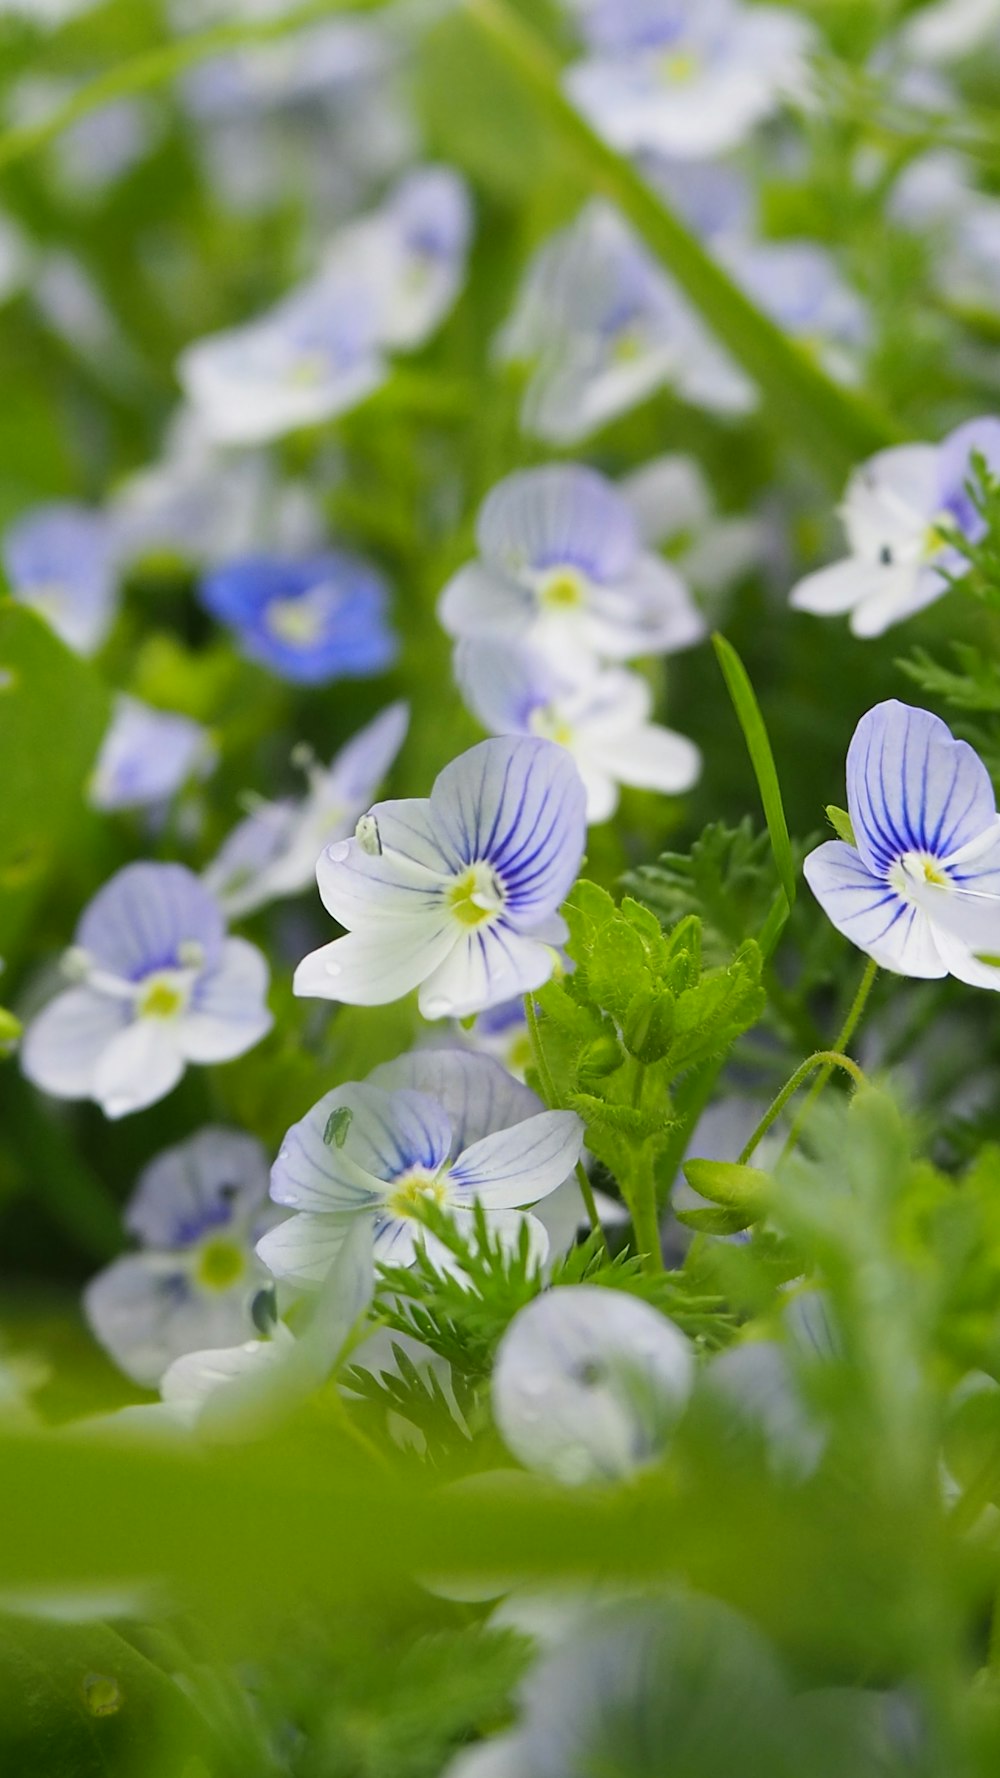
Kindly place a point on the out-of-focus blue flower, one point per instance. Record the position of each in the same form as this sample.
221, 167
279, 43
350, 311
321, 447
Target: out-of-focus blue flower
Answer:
147, 755
309, 621
273, 852
399, 1146
457, 895
714, 197
797, 283
588, 1388
686, 79
561, 561
601, 327
919, 890
197, 1211
893, 513
59, 559
159, 984
601, 718
386, 283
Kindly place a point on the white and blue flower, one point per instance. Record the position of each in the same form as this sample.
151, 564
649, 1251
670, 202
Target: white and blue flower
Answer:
919, 890
273, 852
895, 511
158, 984
457, 895
675, 510
600, 326
310, 619
148, 755
797, 283
561, 561
686, 79
589, 1383
196, 1213
59, 560
415, 248
601, 717
445, 1128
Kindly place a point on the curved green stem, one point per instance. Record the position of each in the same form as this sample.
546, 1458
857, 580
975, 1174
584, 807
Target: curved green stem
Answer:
828, 1060
841, 1042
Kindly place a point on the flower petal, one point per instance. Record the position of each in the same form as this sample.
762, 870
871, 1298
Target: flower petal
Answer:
139, 1066
403, 881
517, 803
214, 1179
303, 1248
387, 1134
481, 601
486, 967
870, 913
144, 914
477, 1093
559, 515
145, 1316
63, 1045
651, 758
374, 967
518, 1166
228, 1013
912, 787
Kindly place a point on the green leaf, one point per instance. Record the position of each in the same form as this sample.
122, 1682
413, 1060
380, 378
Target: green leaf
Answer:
761, 758
836, 426
53, 713
840, 821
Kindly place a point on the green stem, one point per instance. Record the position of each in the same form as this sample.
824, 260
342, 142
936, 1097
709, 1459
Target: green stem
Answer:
828, 1060
840, 1044
836, 426
157, 67
551, 1097
646, 1228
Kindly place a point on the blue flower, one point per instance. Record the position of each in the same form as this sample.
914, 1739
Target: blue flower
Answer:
797, 283
602, 326
197, 1211
147, 755
158, 984
919, 890
686, 79
893, 513
59, 560
561, 560
459, 895
601, 717
273, 852
308, 620
447, 1128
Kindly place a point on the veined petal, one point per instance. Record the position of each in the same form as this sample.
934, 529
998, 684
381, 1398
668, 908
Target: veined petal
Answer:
212, 1180
476, 1092
228, 1013
374, 967
146, 1316
484, 968
139, 920
870, 913
387, 1134
563, 514
517, 803
518, 1166
912, 787
402, 882
63, 1045
305, 1247
507, 1227
142, 1064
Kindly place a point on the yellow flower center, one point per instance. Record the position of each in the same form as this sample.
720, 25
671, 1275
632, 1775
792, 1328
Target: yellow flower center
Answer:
914, 870
562, 589
415, 1189
475, 896
935, 539
298, 622
161, 1000
678, 67
627, 346
220, 1264
546, 722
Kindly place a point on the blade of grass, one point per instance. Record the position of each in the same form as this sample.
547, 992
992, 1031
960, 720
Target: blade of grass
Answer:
835, 425
762, 759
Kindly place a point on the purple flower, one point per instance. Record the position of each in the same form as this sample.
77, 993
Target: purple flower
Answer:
309, 621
